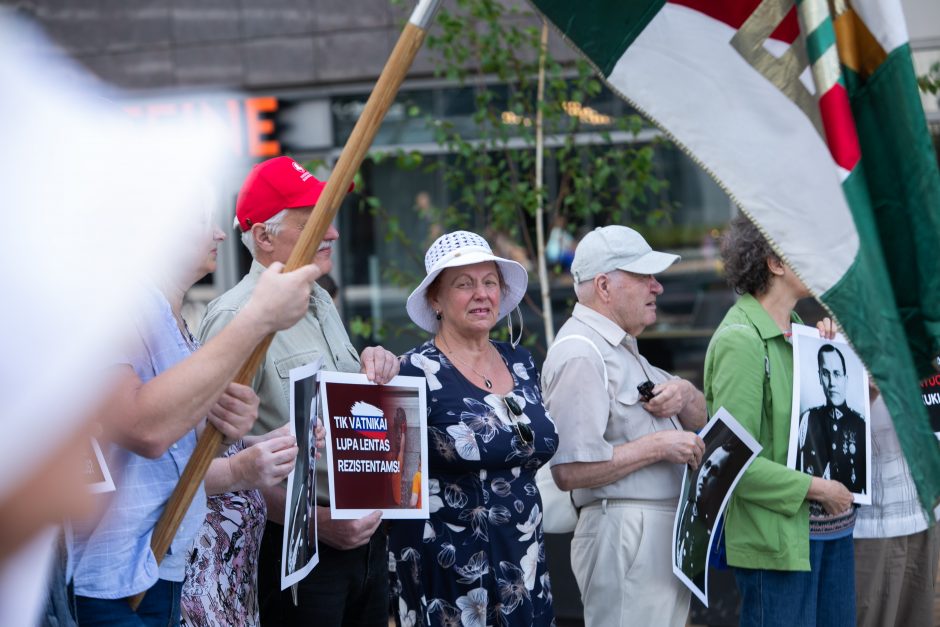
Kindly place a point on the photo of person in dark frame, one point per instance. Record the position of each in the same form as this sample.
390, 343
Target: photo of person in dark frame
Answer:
832, 437
724, 458
302, 544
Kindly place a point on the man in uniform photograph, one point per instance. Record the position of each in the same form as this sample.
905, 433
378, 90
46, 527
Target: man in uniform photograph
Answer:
832, 436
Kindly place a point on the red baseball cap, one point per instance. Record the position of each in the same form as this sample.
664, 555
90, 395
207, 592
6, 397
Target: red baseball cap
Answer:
274, 185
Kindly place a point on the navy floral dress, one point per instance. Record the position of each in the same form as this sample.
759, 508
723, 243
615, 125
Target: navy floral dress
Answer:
480, 559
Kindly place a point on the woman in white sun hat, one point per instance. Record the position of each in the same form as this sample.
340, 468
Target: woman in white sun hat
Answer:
479, 560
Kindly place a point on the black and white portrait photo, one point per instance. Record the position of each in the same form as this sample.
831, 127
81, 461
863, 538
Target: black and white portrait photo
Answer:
729, 450
299, 551
830, 429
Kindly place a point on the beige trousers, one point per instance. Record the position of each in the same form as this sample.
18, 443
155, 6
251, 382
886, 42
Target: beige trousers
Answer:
894, 579
621, 558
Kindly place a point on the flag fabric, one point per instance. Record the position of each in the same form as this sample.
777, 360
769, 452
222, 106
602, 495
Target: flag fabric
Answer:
811, 122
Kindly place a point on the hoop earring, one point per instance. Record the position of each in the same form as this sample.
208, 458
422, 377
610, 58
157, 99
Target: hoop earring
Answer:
437, 315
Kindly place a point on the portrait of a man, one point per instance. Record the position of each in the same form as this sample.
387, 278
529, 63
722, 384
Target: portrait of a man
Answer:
830, 433
302, 544
728, 451
832, 438
697, 521
299, 548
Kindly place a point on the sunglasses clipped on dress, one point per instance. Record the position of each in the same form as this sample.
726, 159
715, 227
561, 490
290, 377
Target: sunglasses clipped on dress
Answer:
523, 429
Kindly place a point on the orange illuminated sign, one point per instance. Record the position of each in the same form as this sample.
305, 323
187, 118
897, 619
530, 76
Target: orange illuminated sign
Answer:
250, 121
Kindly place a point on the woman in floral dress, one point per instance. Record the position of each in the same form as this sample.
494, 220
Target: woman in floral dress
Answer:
221, 585
480, 558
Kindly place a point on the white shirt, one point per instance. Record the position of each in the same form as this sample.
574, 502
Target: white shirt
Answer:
593, 415
895, 509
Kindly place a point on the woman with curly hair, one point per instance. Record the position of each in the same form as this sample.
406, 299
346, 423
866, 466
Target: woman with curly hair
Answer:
788, 534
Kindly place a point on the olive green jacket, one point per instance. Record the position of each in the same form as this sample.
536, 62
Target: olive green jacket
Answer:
749, 372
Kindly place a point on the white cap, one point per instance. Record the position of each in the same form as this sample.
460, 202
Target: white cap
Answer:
616, 247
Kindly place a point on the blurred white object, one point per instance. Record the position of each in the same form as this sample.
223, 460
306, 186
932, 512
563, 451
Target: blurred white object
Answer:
93, 208
23, 589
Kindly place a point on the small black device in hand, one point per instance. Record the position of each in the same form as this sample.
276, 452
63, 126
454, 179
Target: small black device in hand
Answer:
646, 391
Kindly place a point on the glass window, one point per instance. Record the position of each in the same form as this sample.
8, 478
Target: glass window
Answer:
404, 123
382, 247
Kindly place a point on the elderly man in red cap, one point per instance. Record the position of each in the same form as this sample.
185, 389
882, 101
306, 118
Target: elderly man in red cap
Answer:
349, 586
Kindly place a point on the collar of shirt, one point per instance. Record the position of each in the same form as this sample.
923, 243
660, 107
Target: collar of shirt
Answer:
319, 297
836, 411
605, 327
761, 320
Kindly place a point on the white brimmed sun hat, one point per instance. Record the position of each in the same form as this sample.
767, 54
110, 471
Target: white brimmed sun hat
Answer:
463, 248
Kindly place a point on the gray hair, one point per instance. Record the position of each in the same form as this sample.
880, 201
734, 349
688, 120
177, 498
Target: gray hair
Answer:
272, 226
583, 292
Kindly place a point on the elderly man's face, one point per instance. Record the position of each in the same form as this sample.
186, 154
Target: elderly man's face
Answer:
293, 225
832, 378
633, 300
708, 475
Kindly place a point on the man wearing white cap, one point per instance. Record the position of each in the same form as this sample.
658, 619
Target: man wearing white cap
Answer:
622, 426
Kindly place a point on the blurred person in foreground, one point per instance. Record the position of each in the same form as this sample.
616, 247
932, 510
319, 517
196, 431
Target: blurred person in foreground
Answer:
110, 199
792, 567
896, 544
625, 439
480, 559
164, 390
348, 586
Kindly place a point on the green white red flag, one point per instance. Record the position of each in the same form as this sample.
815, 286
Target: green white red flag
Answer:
811, 121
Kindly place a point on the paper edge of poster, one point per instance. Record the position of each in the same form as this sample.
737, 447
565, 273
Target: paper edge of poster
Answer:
812, 332
287, 580
298, 575
865, 499
107, 482
722, 415
418, 383
325, 410
676, 569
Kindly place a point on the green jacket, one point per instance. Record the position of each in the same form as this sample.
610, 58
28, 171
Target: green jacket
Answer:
749, 372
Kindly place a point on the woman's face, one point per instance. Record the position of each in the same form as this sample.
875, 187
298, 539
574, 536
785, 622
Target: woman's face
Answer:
784, 279
210, 249
468, 298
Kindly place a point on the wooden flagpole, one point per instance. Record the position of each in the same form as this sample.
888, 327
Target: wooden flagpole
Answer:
383, 94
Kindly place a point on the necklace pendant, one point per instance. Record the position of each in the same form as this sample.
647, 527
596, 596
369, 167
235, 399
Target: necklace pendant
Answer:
487, 383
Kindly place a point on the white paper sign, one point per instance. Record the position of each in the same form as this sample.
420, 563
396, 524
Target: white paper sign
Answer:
376, 445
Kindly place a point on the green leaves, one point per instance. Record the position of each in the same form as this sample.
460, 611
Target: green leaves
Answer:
929, 83
596, 169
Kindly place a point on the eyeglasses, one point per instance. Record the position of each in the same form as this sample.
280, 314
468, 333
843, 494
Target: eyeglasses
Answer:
523, 429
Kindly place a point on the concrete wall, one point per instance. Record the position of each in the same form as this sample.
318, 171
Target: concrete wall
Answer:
923, 22
154, 44
142, 44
